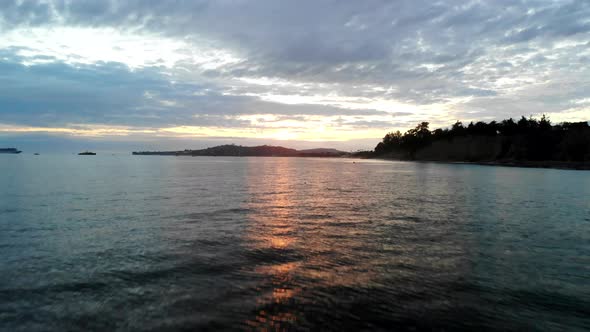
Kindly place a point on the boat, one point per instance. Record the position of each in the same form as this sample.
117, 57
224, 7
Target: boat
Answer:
87, 153
36, 153
10, 150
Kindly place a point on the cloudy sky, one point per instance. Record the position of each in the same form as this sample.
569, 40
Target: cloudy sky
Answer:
299, 73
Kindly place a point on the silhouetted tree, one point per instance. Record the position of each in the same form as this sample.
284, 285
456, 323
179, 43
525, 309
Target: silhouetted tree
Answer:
458, 129
391, 142
416, 138
508, 127
528, 139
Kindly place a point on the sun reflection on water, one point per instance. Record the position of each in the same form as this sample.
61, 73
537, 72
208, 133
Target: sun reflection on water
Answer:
311, 237
272, 233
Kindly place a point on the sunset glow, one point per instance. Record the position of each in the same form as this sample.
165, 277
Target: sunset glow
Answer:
130, 76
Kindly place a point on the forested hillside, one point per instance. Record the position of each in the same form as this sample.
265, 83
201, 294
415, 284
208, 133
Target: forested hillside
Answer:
526, 140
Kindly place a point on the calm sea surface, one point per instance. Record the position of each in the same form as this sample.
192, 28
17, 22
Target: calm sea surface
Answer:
164, 243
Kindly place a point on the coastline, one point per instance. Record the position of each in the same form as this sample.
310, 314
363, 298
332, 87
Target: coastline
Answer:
578, 166
566, 165
553, 164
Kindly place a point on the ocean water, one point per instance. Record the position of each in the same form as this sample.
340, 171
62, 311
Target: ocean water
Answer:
151, 243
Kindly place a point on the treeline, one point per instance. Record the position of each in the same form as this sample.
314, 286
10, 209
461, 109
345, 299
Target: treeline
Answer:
525, 139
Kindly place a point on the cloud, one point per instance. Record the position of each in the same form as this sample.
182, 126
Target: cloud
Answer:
207, 64
57, 94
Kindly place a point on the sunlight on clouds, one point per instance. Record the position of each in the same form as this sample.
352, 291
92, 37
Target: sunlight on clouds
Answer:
92, 45
309, 122
317, 134
271, 126
349, 102
431, 67
79, 130
316, 127
204, 73
74, 45
268, 81
570, 115
582, 101
284, 135
365, 103
278, 121
318, 130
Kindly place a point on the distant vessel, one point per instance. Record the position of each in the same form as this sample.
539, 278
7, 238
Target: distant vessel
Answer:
36, 153
10, 150
87, 153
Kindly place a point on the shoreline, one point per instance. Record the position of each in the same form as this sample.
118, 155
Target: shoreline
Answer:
565, 165
551, 164
576, 166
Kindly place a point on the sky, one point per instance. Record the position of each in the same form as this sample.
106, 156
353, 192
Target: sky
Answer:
155, 74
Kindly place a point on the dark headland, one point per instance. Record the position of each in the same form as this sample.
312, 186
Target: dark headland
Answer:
249, 151
523, 143
527, 142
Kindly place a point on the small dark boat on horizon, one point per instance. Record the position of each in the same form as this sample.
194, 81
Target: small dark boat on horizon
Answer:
87, 153
10, 150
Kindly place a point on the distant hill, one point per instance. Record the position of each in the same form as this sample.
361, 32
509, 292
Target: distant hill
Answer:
323, 151
249, 151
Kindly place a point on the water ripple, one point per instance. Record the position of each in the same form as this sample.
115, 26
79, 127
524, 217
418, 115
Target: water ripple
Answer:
291, 244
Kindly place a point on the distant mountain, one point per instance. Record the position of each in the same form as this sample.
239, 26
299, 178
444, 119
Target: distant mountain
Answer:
249, 151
